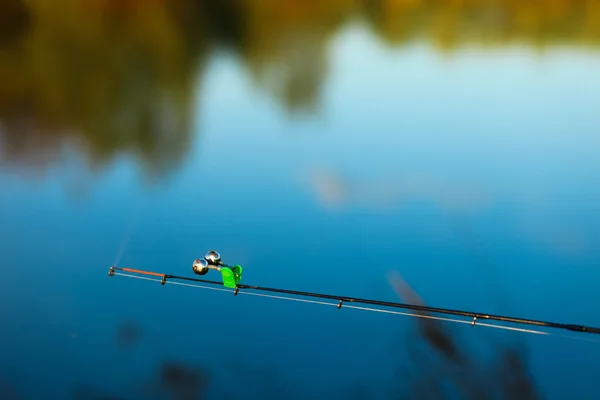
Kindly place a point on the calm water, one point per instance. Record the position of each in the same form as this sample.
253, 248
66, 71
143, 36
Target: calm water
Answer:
320, 158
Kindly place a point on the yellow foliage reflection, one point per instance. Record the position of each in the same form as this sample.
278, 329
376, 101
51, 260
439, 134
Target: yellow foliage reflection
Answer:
120, 75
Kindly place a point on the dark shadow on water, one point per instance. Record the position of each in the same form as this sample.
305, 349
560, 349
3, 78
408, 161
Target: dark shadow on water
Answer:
173, 380
7, 391
441, 364
182, 382
128, 334
90, 393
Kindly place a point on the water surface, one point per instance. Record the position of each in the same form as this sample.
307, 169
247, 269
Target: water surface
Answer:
320, 147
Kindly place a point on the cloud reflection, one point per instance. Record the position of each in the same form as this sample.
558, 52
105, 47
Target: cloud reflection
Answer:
334, 191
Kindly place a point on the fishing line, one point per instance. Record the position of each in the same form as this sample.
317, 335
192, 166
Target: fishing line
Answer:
168, 279
128, 232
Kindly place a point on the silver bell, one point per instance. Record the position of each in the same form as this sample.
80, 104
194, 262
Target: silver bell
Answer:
200, 267
213, 257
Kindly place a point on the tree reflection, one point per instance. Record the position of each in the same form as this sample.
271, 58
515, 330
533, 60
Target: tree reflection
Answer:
101, 76
111, 76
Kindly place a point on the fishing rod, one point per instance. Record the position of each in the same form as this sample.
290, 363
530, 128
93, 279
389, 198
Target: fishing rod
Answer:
232, 275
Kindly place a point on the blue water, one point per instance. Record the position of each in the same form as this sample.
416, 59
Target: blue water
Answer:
474, 174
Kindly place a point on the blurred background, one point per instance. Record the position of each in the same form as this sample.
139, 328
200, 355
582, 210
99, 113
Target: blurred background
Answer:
321, 144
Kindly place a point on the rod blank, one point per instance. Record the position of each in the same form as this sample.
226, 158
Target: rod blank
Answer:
347, 299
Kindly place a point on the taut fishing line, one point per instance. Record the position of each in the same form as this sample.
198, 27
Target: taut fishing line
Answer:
232, 275
133, 219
